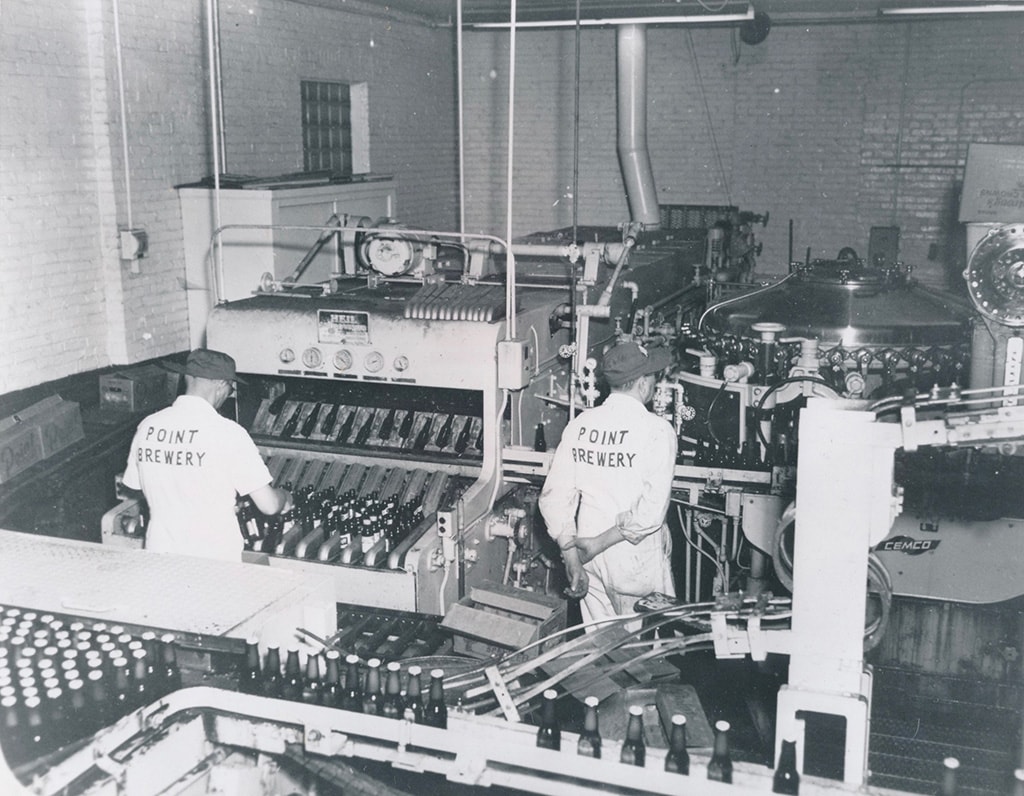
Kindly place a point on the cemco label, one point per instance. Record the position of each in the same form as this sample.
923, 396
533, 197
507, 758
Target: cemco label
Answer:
907, 545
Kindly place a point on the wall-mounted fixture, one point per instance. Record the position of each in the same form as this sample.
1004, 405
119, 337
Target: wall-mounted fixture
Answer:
754, 31
134, 243
939, 9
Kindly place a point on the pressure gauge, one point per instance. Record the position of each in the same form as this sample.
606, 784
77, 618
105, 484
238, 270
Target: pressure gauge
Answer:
401, 363
286, 355
312, 358
374, 361
343, 360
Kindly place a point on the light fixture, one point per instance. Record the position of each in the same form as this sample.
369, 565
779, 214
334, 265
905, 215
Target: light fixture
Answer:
962, 9
691, 19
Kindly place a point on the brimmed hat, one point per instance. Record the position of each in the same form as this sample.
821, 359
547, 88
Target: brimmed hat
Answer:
207, 364
630, 360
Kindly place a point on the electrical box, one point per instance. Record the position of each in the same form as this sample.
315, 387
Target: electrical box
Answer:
515, 363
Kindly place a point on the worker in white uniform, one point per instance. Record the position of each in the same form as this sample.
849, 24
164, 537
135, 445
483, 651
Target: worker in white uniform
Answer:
609, 486
190, 463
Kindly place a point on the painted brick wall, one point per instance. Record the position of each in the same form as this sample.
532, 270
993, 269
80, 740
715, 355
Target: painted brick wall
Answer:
839, 128
70, 305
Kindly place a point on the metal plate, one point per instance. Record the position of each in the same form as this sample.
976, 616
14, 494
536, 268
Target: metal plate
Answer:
995, 275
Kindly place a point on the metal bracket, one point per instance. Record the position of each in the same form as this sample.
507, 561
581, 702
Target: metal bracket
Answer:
508, 707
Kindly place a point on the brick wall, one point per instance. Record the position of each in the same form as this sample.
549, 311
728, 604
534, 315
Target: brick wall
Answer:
839, 128
70, 305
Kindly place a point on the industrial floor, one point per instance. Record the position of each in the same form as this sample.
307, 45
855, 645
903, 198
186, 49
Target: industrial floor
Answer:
917, 718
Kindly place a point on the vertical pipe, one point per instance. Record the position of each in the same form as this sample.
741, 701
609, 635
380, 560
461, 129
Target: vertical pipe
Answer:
220, 83
459, 102
632, 126
124, 116
510, 264
215, 129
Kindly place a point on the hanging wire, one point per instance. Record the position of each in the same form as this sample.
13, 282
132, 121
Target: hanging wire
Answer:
707, 112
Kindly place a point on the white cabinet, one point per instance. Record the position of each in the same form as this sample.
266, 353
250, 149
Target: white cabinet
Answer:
262, 241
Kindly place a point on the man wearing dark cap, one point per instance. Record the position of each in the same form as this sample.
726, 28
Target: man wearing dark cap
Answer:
190, 463
606, 494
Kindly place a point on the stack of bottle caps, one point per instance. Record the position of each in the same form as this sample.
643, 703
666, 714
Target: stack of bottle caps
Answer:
363, 687
62, 680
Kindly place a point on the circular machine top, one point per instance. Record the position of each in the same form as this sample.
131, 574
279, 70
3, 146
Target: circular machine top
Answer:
995, 275
842, 302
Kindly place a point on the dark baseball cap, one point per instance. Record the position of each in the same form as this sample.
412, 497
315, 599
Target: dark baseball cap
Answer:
626, 361
207, 364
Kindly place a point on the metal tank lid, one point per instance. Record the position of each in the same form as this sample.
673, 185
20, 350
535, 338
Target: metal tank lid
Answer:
845, 302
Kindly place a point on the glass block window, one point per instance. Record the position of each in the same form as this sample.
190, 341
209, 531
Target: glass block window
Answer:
326, 127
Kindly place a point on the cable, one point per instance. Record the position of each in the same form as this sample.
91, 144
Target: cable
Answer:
695, 546
742, 296
788, 380
707, 413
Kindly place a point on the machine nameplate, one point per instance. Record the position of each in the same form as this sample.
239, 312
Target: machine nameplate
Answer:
336, 326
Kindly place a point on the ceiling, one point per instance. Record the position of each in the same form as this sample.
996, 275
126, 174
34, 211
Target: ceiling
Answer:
476, 12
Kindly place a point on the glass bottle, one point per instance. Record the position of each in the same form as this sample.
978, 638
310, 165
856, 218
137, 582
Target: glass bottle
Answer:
353, 695
414, 696
272, 682
121, 696
634, 750
141, 693
37, 739
393, 706
171, 673
787, 778
720, 764
372, 696
435, 714
589, 743
332, 680
291, 686
677, 759
312, 688
1018, 782
549, 734
948, 783
250, 680
540, 442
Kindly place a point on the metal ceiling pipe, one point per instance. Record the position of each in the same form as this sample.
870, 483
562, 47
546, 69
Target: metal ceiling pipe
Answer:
632, 143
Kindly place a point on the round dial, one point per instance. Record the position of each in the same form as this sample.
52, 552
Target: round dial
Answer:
286, 355
401, 363
312, 358
343, 359
374, 361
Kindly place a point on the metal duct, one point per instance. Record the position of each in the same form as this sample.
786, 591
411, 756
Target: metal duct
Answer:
632, 106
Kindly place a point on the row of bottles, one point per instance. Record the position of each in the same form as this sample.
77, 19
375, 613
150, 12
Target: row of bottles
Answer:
376, 690
363, 426
61, 681
331, 527
633, 750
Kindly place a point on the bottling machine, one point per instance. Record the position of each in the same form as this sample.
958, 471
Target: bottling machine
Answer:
401, 396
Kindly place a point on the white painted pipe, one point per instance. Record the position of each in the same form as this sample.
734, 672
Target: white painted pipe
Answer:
632, 141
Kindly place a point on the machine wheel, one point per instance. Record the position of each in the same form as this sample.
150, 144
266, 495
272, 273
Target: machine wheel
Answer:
879, 585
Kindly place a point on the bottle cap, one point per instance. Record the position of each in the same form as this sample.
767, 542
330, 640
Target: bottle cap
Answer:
636, 710
679, 718
951, 762
551, 693
591, 701
373, 663
333, 655
722, 726
415, 670
394, 666
351, 658
1018, 774
439, 673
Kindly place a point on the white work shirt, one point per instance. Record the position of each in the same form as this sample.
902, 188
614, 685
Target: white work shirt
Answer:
614, 466
190, 463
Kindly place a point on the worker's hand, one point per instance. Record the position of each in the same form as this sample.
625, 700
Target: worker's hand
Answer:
579, 583
586, 548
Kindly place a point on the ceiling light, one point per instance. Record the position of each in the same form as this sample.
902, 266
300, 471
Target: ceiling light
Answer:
925, 11
691, 19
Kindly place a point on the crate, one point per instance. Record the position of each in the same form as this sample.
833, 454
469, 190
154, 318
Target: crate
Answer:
37, 433
142, 389
495, 619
